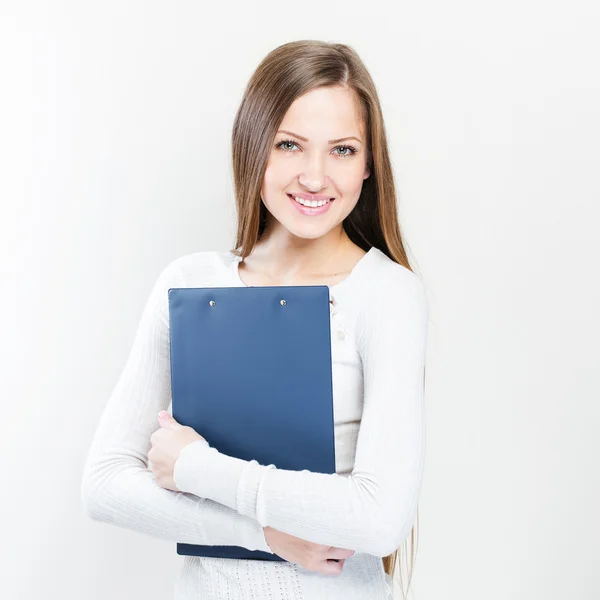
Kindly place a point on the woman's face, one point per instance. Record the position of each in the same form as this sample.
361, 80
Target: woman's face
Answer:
305, 160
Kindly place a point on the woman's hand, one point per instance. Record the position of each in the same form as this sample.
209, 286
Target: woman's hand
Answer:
308, 555
167, 444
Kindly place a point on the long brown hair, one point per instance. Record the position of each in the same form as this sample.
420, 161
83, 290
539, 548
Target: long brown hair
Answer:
286, 73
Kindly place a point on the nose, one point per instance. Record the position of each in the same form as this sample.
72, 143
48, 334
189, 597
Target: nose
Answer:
313, 178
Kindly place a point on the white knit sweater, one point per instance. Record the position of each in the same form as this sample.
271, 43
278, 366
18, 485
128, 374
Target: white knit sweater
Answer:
379, 324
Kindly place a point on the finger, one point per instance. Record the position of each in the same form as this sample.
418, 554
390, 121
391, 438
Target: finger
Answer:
339, 553
331, 567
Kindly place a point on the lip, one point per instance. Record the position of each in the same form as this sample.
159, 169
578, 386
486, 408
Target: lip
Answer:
311, 196
310, 212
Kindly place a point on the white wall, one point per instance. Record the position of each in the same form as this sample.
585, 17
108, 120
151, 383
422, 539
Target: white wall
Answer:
115, 119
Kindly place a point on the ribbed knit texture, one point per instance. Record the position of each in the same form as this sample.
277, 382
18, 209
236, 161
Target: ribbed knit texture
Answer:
379, 326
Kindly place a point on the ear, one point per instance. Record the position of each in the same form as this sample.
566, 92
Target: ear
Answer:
368, 166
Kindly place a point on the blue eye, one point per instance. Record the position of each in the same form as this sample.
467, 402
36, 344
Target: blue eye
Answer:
281, 146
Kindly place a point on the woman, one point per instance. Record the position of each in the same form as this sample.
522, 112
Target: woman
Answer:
316, 205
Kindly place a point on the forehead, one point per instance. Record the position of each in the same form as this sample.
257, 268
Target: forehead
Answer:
324, 113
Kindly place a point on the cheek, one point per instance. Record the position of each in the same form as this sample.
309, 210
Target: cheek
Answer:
277, 171
353, 182
273, 178
269, 174
270, 185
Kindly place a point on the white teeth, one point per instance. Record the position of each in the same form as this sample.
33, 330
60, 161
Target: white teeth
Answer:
310, 203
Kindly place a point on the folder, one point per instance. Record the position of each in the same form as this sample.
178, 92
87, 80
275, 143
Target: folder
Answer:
251, 373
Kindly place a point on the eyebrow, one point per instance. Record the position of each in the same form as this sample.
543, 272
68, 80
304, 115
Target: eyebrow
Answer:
329, 142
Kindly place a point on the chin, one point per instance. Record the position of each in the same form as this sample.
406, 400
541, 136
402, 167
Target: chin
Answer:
308, 233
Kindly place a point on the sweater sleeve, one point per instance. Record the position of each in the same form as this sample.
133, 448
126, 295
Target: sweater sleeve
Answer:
117, 486
373, 509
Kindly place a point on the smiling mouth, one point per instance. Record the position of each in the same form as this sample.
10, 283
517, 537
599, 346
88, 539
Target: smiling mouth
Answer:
310, 203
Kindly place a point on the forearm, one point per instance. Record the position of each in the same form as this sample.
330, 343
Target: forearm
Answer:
353, 512
129, 497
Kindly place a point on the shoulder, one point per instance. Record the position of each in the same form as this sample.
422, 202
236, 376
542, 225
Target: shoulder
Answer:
208, 268
393, 299
390, 282
197, 269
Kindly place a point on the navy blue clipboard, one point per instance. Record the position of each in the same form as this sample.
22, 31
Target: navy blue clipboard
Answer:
251, 372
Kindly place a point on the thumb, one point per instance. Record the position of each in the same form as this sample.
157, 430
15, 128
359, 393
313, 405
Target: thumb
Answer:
167, 420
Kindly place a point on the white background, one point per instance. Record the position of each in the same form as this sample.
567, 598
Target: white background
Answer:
115, 121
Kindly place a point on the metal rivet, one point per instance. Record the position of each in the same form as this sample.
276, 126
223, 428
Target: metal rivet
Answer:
282, 302
212, 302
